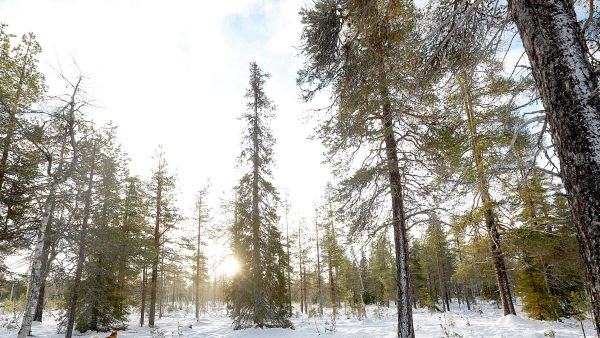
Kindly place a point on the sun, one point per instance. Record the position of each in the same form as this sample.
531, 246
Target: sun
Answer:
230, 266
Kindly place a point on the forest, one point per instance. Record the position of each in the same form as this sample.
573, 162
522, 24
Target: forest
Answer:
463, 142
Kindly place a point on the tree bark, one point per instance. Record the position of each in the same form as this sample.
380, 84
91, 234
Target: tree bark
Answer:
405, 321
155, 259
143, 301
488, 212
82, 243
568, 87
319, 293
36, 271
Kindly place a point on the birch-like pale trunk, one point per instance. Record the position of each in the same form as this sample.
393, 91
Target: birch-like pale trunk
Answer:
36, 268
568, 86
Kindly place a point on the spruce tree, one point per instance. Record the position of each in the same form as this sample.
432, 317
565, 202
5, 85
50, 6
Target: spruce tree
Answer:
259, 292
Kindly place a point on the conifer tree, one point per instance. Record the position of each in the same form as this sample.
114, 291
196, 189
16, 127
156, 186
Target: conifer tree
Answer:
161, 188
259, 292
363, 51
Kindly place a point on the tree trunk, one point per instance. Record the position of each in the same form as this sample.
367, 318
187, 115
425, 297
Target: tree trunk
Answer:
155, 259
82, 244
289, 260
300, 271
488, 212
568, 87
46, 261
36, 269
256, 256
198, 260
143, 302
405, 322
319, 293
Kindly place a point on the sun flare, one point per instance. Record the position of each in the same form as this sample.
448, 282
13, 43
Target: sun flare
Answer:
230, 266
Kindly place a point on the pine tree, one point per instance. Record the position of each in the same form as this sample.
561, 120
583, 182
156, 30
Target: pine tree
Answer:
364, 51
259, 292
161, 188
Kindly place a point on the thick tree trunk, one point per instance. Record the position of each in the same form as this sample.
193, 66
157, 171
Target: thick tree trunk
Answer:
568, 87
488, 212
405, 321
82, 243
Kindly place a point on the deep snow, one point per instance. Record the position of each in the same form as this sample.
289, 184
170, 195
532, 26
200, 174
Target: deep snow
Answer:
485, 320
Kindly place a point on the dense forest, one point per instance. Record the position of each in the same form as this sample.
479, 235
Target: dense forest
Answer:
460, 180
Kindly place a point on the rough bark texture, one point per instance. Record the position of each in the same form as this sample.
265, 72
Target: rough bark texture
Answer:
488, 213
405, 321
568, 86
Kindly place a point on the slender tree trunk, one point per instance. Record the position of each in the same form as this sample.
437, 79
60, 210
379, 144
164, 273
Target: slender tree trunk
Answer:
405, 322
258, 316
161, 293
36, 271
488, 212
300, 270
143, 302
82, 244
46, 261
198, 259
568, 86
289, 260
319, 293
155, 259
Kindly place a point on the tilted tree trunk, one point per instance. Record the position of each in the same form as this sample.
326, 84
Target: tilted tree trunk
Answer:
405, 322
82, 244
568, 87
46, 260
36, 271
488, 208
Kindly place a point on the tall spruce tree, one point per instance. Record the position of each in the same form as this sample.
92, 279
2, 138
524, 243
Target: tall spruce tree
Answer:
259, 292
161, 188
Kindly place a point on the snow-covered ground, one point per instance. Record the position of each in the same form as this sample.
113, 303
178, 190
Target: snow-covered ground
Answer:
483, 321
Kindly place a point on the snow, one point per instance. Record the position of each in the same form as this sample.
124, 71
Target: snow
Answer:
484, 320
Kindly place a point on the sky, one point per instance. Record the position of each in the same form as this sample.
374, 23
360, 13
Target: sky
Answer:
174, 73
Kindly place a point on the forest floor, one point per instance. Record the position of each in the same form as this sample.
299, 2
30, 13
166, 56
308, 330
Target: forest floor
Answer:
484, 320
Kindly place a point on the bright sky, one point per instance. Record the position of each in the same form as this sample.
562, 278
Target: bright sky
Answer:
174, 73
